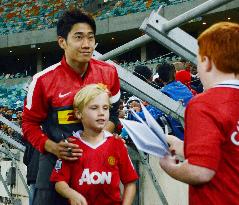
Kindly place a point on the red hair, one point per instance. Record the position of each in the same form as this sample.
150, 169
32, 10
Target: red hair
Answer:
220, 43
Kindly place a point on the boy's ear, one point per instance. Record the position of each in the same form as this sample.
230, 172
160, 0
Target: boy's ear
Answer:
77, 114
61, 42
208, 63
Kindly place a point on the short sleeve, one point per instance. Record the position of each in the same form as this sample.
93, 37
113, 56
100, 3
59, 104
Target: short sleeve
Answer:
61, 171
203, 135
126, 169
115, 97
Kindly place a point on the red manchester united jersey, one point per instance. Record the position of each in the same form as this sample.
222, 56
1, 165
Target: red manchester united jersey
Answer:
97, 174
212, 141
48, 112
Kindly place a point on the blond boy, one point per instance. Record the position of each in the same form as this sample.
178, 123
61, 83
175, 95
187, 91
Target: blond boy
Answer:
94, 178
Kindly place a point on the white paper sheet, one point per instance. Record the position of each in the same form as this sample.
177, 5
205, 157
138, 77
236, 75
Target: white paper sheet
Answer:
147, 136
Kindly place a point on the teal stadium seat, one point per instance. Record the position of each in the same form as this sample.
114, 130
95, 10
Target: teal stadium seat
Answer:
22, 15
13, 95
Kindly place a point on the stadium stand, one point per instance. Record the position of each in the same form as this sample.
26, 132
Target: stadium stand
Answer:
12, 92
124, 7
152, 63
19, 16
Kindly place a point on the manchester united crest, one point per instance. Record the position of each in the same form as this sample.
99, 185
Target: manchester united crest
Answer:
111, 160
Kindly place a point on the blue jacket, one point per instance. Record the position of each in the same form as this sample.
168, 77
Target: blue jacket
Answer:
179, 92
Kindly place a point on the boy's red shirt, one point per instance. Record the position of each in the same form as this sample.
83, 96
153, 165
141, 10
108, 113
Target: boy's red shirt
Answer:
212, 141
97, 174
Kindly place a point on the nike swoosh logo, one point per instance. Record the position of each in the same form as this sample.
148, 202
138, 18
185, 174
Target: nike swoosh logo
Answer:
63, 95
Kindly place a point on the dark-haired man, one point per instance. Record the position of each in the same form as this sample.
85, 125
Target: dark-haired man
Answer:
175, 90
48, 117
172, 88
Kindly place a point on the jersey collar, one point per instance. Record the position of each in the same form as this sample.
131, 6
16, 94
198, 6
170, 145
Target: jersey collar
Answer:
78, 133
229, 84
71, 71
106, 135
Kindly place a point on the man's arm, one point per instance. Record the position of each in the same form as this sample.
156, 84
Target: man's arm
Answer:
185, 172
129, 193
115, 102
34, 113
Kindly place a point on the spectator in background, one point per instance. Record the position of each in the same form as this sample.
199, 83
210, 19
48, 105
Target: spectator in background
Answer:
121, 114
145, 74
19, 118
8, 114
184, 77
196, 83
211, 146
134, 103
121, 109
187, 65
172, 88
179, 66
175, 90
14, 118
10, 131
157, 81
4, 128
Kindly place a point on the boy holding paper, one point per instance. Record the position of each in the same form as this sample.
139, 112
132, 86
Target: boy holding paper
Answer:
211, 146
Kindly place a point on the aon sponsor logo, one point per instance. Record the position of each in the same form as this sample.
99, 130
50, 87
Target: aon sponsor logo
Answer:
95, 177
235, 136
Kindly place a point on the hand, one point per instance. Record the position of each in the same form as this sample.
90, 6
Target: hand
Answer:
175, 145
116, 136
168, 163
77, 199
67, 150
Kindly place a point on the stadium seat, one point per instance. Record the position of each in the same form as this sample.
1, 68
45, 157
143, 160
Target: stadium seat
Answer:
12, 94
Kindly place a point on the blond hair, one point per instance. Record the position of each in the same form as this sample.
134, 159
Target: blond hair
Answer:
88, 93
220, 43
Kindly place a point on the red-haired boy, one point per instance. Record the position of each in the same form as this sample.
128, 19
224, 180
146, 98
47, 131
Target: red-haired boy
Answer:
211, 146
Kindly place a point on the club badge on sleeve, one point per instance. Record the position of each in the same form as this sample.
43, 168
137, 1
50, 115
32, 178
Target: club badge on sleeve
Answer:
58, 165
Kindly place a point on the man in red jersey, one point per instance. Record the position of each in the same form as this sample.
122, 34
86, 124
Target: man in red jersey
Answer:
48, 117
211, 146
